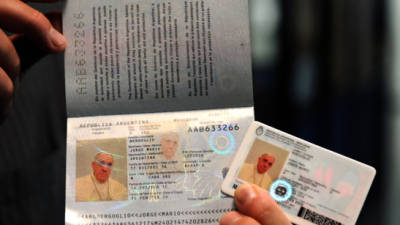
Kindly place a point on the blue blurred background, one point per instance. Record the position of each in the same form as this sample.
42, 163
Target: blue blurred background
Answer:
326, 71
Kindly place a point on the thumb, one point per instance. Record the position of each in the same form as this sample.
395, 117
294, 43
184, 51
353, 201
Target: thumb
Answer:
255, 202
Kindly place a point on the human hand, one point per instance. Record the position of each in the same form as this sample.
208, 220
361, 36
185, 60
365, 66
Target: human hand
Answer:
33, 36
255, 207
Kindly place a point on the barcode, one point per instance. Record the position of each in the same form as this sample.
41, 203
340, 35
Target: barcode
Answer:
316, 218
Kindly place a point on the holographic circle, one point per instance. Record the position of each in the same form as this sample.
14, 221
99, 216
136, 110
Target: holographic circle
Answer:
281, 190
222, 142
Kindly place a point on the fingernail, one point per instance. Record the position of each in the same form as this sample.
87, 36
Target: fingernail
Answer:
57, 39
244, 193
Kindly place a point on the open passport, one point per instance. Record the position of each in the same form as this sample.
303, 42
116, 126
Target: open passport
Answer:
159, 96
159, 100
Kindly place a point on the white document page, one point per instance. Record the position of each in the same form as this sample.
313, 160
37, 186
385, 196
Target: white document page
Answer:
159, 97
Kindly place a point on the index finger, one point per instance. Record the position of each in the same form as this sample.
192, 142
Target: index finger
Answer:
18, 17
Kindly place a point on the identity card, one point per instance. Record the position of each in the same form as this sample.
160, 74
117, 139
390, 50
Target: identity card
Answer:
311, 184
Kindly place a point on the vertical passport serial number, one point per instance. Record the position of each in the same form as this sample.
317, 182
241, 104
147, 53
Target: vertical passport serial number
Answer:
79, 44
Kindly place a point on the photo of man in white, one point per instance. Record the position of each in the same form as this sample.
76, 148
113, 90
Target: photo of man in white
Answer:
169, 144
257, 174
98, 185
170, 157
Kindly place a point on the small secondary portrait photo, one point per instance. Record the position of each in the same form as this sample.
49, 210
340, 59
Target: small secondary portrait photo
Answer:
170, 157
263, 164
101, 167
169, 144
